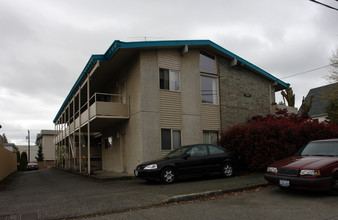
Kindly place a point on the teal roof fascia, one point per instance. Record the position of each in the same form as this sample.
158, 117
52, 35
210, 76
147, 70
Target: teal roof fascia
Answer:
116, 45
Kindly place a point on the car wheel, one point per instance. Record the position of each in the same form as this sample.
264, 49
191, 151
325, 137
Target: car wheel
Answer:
334, 186
227, 170
168, 175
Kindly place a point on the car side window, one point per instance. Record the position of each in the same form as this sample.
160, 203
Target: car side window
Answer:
215, 150
198, 151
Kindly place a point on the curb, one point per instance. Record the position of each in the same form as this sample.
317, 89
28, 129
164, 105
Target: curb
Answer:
195, 196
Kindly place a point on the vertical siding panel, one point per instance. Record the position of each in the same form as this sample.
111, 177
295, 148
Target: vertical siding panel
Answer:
170, 109
210, 117
169, 59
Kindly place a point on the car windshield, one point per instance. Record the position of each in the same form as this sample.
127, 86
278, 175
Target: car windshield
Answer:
320, 149
178, 152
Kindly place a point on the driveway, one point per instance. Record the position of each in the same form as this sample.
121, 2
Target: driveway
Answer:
54, 194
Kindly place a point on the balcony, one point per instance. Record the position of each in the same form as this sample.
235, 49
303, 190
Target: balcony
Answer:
104, 110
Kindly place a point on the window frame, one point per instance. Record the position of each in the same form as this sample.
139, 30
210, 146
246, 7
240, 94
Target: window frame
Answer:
209, 74
211, 57
211, 152
206, 151
217, 89
209, 132
170, 71
172, 141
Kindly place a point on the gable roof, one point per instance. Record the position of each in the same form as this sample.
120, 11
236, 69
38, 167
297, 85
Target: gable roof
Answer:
119, 45
320, 99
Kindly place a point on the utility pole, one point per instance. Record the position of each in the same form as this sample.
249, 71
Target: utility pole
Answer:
29, 149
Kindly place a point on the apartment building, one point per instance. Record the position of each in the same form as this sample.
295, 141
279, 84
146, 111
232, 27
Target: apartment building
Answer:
139, 100
45, 139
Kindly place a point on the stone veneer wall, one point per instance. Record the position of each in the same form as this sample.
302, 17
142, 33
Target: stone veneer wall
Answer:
243, 94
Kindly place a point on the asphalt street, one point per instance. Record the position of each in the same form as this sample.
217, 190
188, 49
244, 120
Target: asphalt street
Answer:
270, 203
56, 194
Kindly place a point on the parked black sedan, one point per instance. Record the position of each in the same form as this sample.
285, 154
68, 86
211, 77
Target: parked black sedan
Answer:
188, 161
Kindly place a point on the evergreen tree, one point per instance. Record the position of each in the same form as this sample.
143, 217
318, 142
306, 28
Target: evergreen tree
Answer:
332, 111
23, 161
40, 157
18, 160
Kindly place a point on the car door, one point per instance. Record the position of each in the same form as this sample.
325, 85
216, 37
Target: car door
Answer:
215, 159
195, 162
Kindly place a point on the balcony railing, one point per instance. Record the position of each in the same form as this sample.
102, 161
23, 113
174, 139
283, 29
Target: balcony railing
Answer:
108, 105
101, 105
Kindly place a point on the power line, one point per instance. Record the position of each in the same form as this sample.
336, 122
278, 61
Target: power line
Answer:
306, 71
324, 4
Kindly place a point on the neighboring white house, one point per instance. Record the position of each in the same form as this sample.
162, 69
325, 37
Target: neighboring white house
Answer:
33, 151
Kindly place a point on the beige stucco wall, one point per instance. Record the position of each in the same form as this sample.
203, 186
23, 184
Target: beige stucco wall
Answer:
128, 152
7, 163
149, 89
191, 98
111, 157
143, 128
133, 148
48, 147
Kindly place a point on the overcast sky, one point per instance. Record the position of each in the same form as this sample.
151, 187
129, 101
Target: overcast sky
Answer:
45, 44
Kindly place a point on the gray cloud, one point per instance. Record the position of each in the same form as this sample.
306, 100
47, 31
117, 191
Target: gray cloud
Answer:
45, 44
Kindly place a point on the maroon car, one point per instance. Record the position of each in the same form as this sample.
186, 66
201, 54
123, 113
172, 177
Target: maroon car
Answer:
314, 167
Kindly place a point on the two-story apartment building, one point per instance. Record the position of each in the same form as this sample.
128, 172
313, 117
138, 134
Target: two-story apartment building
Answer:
139, 100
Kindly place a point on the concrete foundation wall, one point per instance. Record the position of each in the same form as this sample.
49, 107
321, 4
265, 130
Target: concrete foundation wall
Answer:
8, 163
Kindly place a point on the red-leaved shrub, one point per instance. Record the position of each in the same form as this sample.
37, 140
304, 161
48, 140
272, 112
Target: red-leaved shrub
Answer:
263, 140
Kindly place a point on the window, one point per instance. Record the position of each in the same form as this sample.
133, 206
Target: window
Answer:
170, 139
210, 137
215, 150
166, 139
169, 80
209, 90
176, 139
198, 151
207, 63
